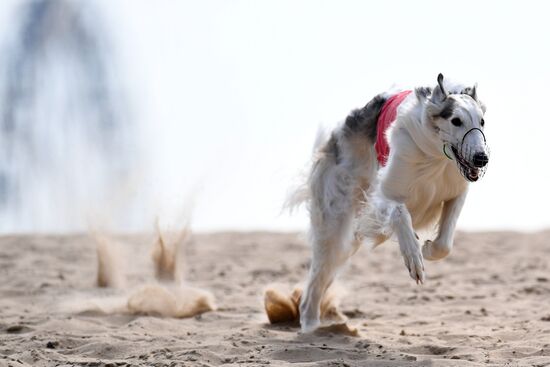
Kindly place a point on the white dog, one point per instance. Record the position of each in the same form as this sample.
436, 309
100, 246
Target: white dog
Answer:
368, 183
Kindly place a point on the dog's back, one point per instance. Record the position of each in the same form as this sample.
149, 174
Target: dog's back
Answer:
364, 121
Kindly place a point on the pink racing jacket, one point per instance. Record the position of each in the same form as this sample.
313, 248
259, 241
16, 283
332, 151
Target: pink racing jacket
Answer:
387, 116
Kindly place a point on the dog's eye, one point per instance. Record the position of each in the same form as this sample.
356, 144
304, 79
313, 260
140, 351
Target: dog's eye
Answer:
482, 122
456, 121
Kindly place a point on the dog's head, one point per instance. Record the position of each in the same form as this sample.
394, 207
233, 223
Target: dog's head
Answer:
456, 116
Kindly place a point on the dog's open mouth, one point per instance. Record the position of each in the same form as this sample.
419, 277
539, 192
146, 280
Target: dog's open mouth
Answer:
467, 169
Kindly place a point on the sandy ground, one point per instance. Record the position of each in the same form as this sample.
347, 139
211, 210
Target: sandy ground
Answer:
487, 304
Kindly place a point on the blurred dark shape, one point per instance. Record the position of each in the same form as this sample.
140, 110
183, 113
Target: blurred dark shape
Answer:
65, 143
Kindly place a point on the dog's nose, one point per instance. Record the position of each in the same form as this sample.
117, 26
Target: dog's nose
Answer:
480, 159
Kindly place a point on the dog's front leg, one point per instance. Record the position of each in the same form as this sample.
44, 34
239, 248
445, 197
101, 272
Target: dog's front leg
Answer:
408, 243
443, 243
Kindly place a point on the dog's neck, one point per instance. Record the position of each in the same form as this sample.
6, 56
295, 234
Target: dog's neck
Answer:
416, 122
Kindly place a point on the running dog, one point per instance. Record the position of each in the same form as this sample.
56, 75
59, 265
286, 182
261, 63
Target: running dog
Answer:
400, 164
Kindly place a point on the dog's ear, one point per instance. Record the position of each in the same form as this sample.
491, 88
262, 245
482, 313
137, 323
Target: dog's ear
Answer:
471, 91
440, 83
439, 94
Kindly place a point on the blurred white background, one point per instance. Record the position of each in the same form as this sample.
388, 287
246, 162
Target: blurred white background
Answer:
225, 99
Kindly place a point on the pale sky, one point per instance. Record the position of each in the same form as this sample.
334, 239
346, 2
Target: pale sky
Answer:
230, 95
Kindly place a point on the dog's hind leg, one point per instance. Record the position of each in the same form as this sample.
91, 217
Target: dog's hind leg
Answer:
332, 247
331, 209
443, 243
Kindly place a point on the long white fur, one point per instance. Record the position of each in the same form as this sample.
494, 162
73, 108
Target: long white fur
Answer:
353, 201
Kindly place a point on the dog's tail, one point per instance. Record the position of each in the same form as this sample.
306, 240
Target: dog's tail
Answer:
297, 196
300, 193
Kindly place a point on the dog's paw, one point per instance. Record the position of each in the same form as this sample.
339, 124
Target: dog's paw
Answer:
435, 251
414, 262
309, 325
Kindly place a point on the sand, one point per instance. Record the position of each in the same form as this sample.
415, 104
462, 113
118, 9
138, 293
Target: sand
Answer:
487, 304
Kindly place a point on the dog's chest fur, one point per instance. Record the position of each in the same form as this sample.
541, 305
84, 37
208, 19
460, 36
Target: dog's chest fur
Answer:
429, 186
